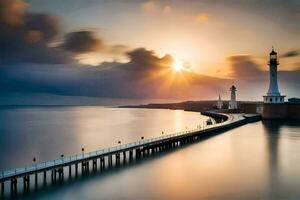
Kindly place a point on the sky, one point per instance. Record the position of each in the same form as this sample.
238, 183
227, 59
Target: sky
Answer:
147, 49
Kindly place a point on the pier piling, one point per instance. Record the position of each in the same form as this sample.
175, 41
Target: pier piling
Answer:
76, 169
102, 163
94, 165
45, 176
2, 189
35, 180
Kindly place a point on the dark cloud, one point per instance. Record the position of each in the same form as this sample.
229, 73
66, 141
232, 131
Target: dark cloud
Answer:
25, 37
293, 53
47, 25
243, 66
143, 59
82, 41
12, 12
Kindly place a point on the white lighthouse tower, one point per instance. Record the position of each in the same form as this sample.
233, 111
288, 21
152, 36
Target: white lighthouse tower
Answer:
273, 94
232, 103
220, 103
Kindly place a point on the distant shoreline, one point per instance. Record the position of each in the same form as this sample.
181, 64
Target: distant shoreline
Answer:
195, 106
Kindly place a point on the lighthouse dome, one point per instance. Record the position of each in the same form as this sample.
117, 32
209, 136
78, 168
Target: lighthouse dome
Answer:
273, 52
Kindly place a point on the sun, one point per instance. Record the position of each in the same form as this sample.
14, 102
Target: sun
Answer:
178, 65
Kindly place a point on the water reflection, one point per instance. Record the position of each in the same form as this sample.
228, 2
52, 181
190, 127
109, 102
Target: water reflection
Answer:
280, 136
272, 131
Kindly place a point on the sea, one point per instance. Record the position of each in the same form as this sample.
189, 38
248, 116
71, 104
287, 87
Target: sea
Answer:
259, 160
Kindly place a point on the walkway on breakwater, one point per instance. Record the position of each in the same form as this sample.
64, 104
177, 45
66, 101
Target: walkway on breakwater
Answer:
56, 170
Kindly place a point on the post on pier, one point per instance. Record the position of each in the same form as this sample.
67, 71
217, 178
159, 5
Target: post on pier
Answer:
70, 171
124, 156
110, 161
117, 155
2, 189
52, 175
94, 165
144, 151
137, 153
152, 150
76, 169
82, 167
102, 163
26, 182
160, 147
88, 165
85, 166
61, 174
45, 176
130, 155
61, 169
13, 186
35, 180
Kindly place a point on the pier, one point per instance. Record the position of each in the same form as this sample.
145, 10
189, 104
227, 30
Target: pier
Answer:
57, 170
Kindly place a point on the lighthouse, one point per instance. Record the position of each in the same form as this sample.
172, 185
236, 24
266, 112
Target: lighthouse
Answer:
232, 103
220, 103
273, 95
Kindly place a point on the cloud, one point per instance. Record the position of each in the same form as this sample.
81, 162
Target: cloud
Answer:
143, 59
25, 37
47, 25
90, 49
243, 66
12, 12
293, 53
29, 38
82, 42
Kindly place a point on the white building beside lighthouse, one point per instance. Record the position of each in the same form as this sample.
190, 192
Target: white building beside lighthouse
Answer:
232, 103
273, 95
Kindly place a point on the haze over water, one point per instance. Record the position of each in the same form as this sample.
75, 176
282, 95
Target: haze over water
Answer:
256, 161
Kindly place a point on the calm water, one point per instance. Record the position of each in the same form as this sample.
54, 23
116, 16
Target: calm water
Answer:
256, 161
48, 132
